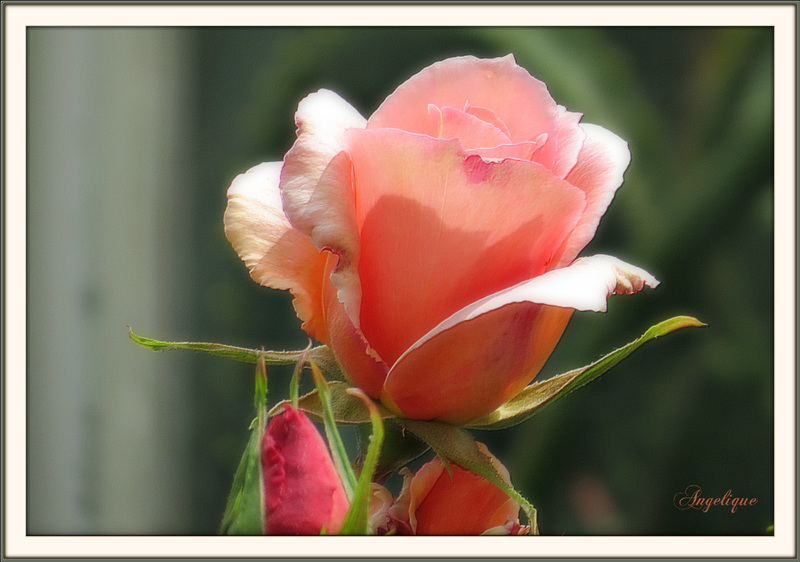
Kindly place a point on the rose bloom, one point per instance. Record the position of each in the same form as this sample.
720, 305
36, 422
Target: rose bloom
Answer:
303, 494
433, 503
433, 246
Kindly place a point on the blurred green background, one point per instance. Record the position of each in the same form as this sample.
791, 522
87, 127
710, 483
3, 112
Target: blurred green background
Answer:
134, 134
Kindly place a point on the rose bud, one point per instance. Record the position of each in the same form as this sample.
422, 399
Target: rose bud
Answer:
433, 246
303, 494
431, 503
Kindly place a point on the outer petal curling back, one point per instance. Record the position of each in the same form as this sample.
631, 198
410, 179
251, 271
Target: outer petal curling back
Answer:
322, 119
560, 152
276, 255
599, 171
585, 285
477, 365
525, 322
316, 187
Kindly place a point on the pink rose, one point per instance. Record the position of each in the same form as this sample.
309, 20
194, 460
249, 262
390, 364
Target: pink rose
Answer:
302, 491
433, 247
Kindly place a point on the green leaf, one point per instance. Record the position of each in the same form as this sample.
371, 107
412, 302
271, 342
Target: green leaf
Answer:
321, 355
539, 394
346, 408
335, 442
244, 513
356, 521
454, 444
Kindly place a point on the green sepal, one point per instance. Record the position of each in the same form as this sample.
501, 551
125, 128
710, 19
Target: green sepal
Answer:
537, 395
454, 444
335, 443
346, 408
321, 355
400, 447
244, 512
356, 521
260, 395
294, 383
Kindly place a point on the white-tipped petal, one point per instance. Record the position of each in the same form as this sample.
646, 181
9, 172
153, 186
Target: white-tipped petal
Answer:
276, 255
602, 161
254, 219
584, 285
484, 354
316, 187
322, 119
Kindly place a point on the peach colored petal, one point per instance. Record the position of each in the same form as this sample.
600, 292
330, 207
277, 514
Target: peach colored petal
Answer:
441, 229
601, 164
322, 119
560, 153
517, 99
520, 150
471, 369
316, 187
400, 510
470, 131
277, 255
468, 374
363, 368
418, 488
486, 114
467, 504
329, 219
380, 500
509, 529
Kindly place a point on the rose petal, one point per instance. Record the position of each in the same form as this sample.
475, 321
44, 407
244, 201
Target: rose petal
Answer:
470, 131
518, 100
441, 229
380, 500
400, 510
487, 352
467, 504
329, 219
322, 119
363, 367
598, 172
560, 153
317, 191
469, 370
519, 151
486, 114
419, 486
277, 255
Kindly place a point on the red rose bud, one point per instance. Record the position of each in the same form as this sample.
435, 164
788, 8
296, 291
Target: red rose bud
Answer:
303, 494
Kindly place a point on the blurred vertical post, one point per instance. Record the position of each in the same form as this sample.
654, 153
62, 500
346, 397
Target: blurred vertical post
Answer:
106, 446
